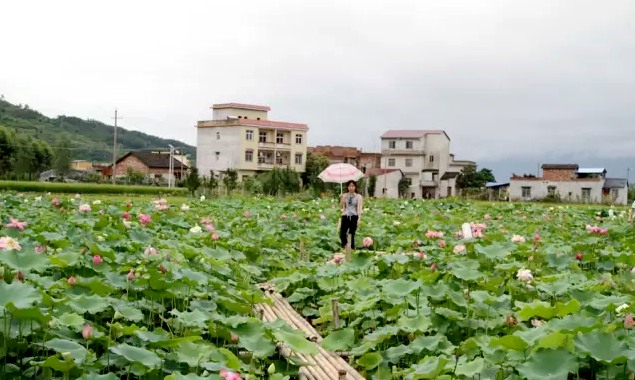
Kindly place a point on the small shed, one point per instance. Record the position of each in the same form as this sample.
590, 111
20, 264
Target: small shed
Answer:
497, 191
615, 190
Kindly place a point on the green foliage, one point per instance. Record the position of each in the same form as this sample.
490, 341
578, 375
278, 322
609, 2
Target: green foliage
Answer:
372, 184
23, 157
192, 180
403, 187
134, 177
472, 179
230, 180
253, 185
280, 181
90, 188
62, 158
90, 139
315, 164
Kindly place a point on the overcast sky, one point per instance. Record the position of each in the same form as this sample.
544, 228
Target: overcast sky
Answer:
504, 78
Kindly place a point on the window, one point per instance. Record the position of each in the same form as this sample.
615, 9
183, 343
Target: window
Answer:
217, 155
217, 135
245, 117
298, 139
279, 138
586, 194
551, 191
261, 159
392, 144
408, 144
449, 191
431, 158
526, 192
257, 118
249, 135
408, 162
391, 162
262, 137
298, 158
249, 156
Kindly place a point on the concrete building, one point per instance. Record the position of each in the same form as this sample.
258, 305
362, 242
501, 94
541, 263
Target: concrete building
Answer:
81, 165
570, 183
242, 137
362, 160
154, 165
425, 159
387, 185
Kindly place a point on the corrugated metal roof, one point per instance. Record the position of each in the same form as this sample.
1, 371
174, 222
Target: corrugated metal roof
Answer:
613, 183
591, 170
496, 184
411, 133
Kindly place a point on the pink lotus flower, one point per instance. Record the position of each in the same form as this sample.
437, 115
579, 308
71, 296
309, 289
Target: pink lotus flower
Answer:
421, 255
145, 219
487, 216
247, 214
126, 215
128, 204
433, 267
524, 275
459, 235
161, 204
234, 337
228, 375
71, 281
87, 331
337, 259
628, 321
460, 249
477, 234
518, 239
367, 241
130, 275
55, 202
283, 216
209, 227
434, 234
596, 230
40, 249
215, 236
150, 251
442, 243
84, 208
14, 223
537, 237
206, 221
97, 260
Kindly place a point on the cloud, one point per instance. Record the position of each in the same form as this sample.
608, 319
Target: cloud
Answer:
504, 79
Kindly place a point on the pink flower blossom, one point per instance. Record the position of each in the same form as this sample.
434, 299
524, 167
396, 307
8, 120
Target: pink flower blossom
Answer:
596, 230
97, 260
40, 249
130, 276
234, 337
161, 204
84, 208
460, 249
9, 244
518, 239
477, 234
367, 241
524, 275
126, 215
71, 281
537, 237
459, 234
145, 219
434, 234
628, 321
209, 227
228, 375
442, 243
215, 236
206, 221
433, 267
247, 214
87, 331
150, 251
421, 255
128, 204
283, 216
55, 202
14, 223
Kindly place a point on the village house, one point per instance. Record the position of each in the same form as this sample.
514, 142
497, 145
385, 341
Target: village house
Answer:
425, 159
387, 182
154, 165
241, 137
350, 155
570, 183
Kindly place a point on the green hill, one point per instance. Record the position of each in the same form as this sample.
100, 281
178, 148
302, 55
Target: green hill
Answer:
90, 139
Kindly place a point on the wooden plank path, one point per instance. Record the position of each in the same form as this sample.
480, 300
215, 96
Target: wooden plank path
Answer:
323, 366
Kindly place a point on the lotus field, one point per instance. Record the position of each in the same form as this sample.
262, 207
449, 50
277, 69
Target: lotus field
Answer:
99, 288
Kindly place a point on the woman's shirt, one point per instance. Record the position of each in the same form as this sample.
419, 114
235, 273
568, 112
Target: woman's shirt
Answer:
351, 203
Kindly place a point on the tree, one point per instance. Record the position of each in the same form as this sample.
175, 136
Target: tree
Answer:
471, 179
315, 164
62, 159
403, 186
6, 151
372, 184
192, 180
230, 180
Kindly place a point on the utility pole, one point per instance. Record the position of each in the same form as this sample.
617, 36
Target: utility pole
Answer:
114, 149
170, 166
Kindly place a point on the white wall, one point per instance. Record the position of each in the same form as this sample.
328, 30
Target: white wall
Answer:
229, 145
568, 190
391, 182
221, 114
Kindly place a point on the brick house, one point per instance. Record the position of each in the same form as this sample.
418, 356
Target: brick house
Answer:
154, 164
350, 155
570, 183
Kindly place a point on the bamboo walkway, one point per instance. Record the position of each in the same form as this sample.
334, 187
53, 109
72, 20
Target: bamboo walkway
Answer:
323, 366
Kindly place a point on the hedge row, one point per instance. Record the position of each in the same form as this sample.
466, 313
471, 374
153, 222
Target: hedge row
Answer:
89, 188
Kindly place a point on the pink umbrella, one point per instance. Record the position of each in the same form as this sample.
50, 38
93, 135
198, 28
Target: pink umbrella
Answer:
340, 173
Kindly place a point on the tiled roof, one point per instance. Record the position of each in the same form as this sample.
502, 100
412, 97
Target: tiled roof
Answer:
560, 166
243, 106
378, 171
615, 183
155, 160
591, 170
412, 133
336, 151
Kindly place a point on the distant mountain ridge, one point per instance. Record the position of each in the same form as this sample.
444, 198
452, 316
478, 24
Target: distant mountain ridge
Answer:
90, 139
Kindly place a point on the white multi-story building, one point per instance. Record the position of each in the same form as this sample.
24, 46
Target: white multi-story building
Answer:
241, 137
425, 159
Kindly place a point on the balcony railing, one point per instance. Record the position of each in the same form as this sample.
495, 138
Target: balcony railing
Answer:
272, 145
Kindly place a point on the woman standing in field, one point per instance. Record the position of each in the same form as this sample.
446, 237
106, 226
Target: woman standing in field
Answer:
351, 205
